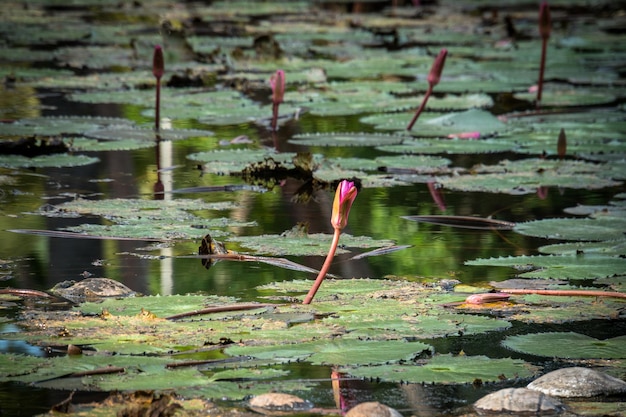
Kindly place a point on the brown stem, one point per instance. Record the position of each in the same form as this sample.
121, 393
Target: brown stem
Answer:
218, 309
24, 293
325, 267
274, 116
542, 66
567, 293
157, 106
421, 107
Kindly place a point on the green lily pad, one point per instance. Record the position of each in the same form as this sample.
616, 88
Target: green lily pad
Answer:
233, 161
567, 345
473, 120
451, 146
336, 352
46, 161
344, 139
90, 145
559, 267
448, 369
607, 248
136, 134
518, 183
569, 97
51, 126
129, 208
315, 244
574, 229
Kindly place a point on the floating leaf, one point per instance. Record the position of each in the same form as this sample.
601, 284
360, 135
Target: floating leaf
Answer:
560, 267
344, 139
448, 369
523, 182
46, 161
574, 229
567, 345
336, 352
607, 248
312, 244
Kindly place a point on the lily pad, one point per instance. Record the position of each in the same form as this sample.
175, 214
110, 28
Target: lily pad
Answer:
574, 229
337, 352
345, 139
311, 244
46, 161
448, 369
559, 267
567, 345
607, 248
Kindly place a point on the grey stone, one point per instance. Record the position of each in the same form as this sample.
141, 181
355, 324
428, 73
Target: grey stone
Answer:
578, 382
276, 403
519, 400
372, 409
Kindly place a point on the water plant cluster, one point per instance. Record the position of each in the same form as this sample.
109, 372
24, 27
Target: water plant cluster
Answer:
496, 99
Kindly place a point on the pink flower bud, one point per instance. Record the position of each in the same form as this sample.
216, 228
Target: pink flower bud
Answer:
435, 71
344, 197
545, 23
490, 297
277, 82
158, 66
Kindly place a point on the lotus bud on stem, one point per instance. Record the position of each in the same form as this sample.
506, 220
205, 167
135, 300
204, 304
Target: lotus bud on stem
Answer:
158, 68
344, 197
277, 82
433, 79
545, 26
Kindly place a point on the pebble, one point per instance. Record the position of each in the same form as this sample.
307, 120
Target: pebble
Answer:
518, 400
578, 382
372, 409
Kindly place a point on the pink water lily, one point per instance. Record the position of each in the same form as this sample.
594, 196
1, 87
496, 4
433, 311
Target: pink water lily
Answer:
344, 197
277, 83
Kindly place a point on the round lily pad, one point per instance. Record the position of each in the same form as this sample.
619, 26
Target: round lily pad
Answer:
568, 345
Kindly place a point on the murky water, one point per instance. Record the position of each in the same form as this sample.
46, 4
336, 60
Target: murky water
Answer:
436, 252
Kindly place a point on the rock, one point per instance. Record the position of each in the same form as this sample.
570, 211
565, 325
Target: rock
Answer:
578, 382
372, 409
519, 400
276, 403
91, 289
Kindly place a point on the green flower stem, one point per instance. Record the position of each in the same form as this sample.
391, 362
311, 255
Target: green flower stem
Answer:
325, 267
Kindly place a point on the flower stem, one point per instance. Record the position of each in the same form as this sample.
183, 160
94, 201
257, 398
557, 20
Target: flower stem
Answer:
542, 66
421, 107
274, 116
157, 105
325, 267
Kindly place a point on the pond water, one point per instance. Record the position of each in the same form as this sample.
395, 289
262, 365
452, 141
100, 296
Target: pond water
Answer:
435, 252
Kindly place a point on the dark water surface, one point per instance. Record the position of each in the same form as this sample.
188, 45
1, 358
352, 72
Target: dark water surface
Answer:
436, 252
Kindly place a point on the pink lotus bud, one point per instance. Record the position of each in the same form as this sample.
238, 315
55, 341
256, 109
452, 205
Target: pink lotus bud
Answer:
277, 82
464, 135
487, 297
158, 66
435, 71
344, 197
545, 23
